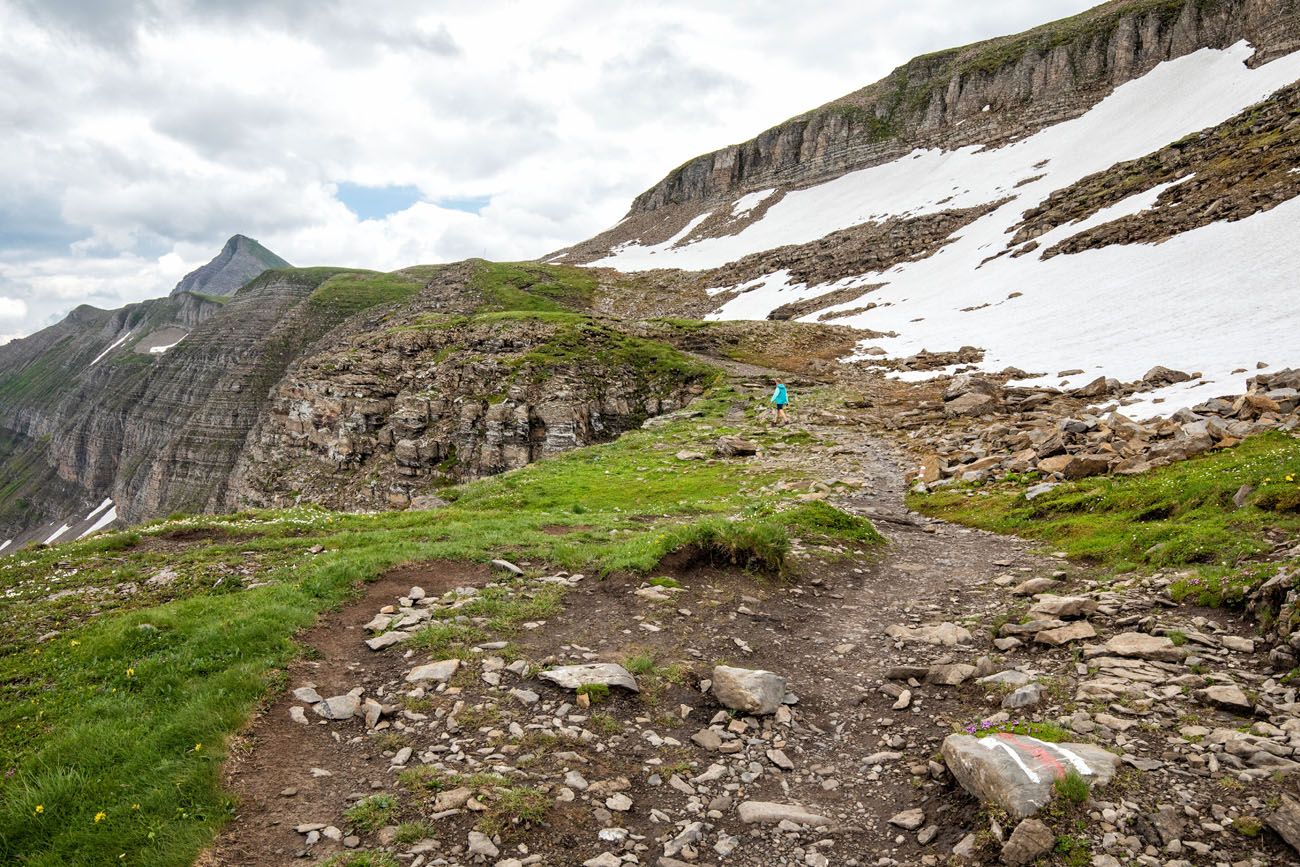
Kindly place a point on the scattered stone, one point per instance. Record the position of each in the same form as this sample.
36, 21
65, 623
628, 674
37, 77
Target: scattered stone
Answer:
1139, 645
1026, 696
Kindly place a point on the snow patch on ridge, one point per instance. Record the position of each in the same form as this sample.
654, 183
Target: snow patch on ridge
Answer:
100, 357
1214, 299
104, 520
57, 533
749, 202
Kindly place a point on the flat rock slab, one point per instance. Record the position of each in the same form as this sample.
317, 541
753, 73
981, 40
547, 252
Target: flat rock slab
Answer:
434, 672
748, 690
769, 813
388, 639
574, 676
1051, 605
1139, 645
1077, 631
1017, 772
945, 634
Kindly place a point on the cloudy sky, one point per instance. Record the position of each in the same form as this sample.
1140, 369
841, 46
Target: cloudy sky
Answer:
137, 135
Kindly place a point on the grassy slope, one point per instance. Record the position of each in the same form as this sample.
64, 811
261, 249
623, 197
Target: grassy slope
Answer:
1181, 515
126, 713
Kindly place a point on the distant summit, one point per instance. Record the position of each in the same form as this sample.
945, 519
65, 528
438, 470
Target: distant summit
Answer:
239, 261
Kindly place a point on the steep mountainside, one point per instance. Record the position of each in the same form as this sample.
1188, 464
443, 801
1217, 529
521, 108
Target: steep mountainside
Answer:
239, 261
1105, 193
1074, 204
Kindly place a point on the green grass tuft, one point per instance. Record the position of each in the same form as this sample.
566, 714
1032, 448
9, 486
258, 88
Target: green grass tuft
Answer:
1072, 787
372, 813
1177, 515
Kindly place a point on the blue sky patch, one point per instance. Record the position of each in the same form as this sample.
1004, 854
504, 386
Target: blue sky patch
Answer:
468, 204
375, 203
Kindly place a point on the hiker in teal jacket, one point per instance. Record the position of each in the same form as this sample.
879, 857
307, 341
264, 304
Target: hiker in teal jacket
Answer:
780, 400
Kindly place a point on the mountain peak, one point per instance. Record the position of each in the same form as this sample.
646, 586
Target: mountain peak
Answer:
240, 260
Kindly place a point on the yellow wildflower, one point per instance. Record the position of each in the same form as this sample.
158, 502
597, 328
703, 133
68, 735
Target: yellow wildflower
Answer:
198, 748
130, 672
40, 808
135, 806
100, 816
75, 643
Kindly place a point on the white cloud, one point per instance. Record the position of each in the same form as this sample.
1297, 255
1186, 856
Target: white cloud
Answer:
140, 134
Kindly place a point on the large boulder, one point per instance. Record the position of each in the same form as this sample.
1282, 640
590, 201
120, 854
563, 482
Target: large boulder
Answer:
1017, 773
748, 690
607, 673
1075, 466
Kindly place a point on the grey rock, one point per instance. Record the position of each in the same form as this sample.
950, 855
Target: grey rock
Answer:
748, 690
1139, 645
770, 813
574, 676
1028, 841
1026, 696
908, 820
388, 639
481, 844
339, 707
434, 672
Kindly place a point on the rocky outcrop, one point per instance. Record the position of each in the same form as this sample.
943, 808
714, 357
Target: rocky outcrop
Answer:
239, 261
387, 415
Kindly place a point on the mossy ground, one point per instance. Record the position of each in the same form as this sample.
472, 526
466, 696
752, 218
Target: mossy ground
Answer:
125, 714
1180, 515
355, 291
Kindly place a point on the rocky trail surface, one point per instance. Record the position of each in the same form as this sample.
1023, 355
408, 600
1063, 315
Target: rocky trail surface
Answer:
823, 720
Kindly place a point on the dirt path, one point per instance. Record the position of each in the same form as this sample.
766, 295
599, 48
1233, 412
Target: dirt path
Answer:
849, 758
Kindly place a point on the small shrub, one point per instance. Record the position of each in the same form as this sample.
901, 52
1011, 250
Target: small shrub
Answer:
640, 664
515, 807
1177, 636
1072, 787
597, 692
665, 582
413, 832
1247, 826
372, 813
1074, 851
606, 724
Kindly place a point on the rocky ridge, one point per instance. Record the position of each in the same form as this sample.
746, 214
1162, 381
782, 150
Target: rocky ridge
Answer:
989, 93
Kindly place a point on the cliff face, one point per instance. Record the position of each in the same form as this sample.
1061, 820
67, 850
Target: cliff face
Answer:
389, 415
88, 411
985, 93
